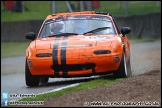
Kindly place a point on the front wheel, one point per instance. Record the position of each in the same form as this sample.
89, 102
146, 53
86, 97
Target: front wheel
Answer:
129, 70
124, 69
30, 79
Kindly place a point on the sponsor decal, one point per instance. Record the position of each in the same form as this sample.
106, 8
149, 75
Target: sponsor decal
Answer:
96, 38
73, 45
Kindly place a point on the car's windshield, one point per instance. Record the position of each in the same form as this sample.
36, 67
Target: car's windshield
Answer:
81, 24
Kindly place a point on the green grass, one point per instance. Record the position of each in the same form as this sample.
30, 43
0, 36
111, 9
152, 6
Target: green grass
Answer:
40, 9
86, 85
138, 7
144, 40
101, 81
13, 48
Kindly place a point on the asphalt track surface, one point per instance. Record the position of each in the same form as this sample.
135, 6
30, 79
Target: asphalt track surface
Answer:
144, 58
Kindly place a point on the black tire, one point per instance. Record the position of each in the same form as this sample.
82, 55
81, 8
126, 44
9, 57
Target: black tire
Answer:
129, 70
124, 69
30, 79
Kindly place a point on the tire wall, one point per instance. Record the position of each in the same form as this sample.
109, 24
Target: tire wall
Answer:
142, 26
15, 31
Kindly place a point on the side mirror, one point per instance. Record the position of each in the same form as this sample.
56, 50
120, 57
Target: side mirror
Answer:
30, 35
125, 30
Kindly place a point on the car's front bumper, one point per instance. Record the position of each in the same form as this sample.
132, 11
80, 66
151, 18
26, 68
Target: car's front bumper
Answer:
75, 66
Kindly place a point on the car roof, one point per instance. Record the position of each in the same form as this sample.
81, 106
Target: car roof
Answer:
77, 13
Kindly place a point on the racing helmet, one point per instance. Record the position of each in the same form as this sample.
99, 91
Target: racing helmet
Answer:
56, 27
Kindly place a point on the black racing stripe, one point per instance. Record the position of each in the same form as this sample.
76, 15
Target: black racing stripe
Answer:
63, 56
55, 55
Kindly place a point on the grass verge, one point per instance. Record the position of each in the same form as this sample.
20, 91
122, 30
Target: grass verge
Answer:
144, 40
40, 9
86, 85
11, 49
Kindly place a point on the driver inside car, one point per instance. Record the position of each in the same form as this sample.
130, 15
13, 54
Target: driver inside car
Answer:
55, 28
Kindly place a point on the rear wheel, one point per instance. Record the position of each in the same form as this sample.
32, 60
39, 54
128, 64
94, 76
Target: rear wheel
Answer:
124, 69
30, 79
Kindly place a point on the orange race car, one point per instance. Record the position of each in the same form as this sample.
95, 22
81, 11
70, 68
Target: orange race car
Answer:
77, 44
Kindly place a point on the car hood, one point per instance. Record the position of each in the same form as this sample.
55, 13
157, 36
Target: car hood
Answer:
73, 42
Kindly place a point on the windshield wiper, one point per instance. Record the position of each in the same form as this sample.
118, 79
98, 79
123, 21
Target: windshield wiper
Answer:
63, 34
96, 30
